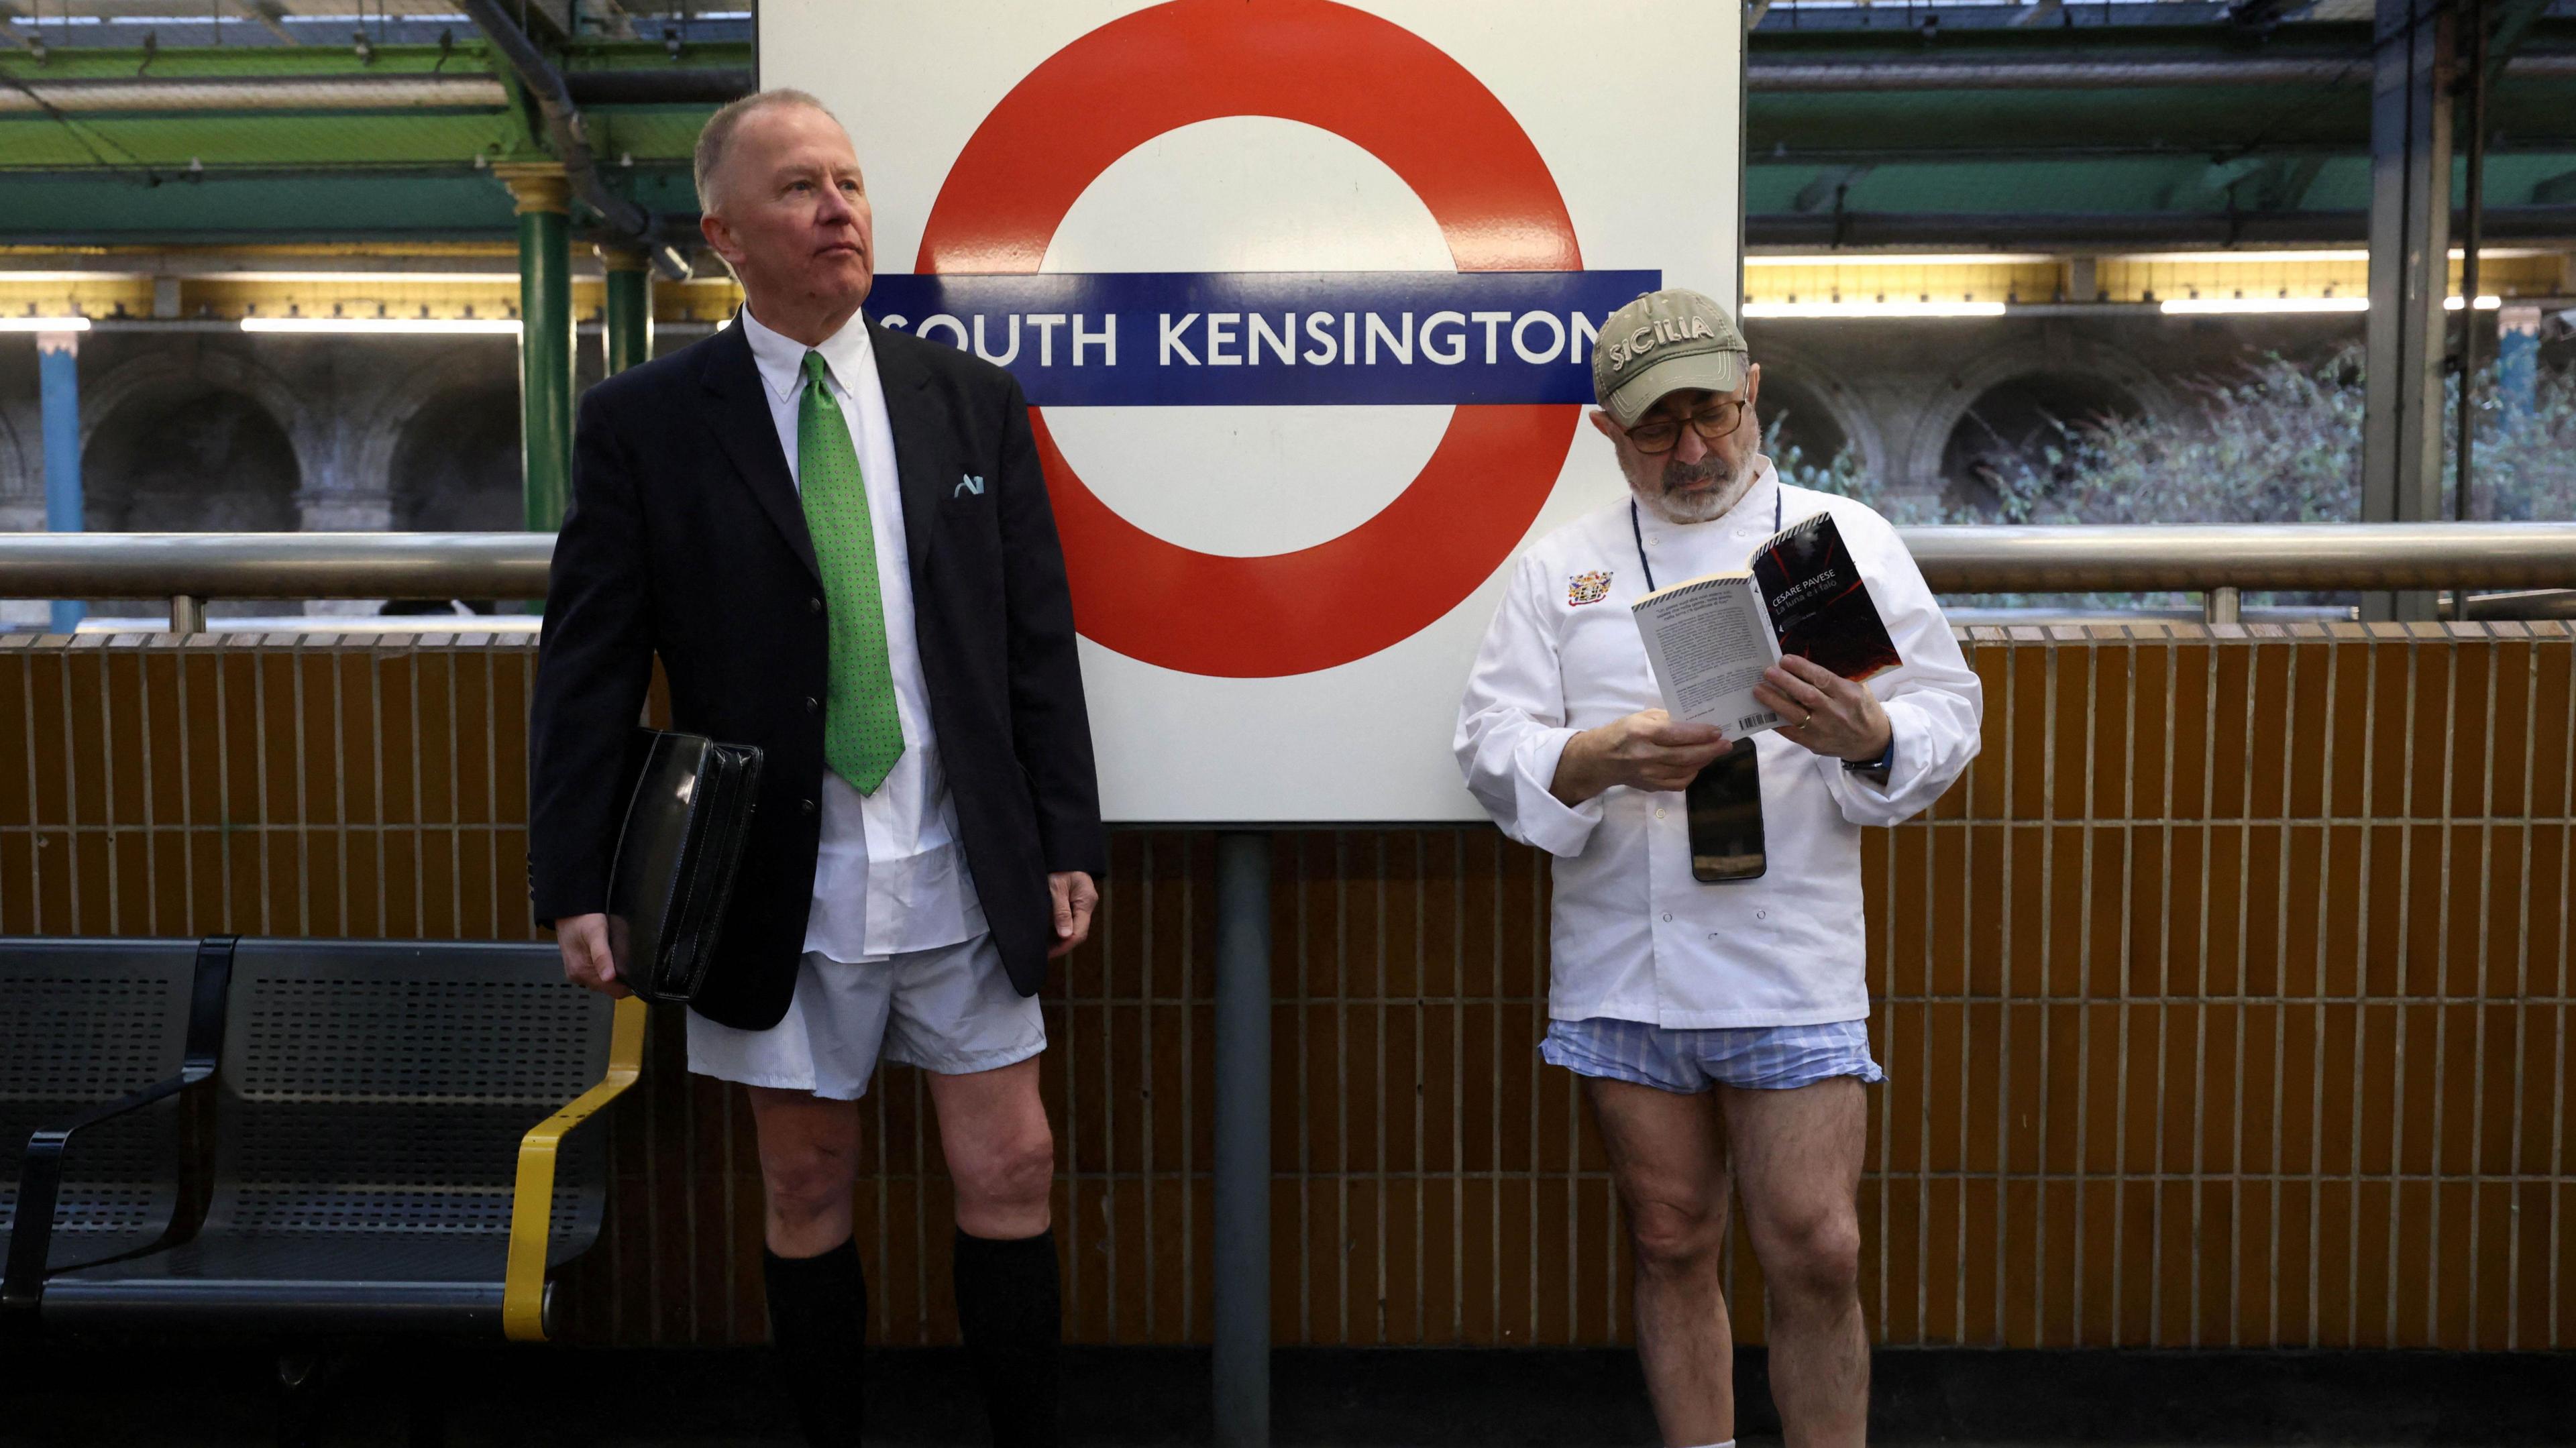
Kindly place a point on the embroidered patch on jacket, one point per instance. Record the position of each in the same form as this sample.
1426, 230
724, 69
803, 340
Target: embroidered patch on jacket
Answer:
1585, 588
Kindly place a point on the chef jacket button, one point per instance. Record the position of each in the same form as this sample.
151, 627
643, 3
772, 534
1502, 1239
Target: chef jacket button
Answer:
1659, 814
1761, 914
1668, 917
813, 605
806, 805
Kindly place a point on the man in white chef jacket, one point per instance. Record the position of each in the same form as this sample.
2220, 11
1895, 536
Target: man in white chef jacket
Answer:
1721, 1028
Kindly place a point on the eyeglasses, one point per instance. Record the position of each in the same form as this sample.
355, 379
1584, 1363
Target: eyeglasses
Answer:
1711, 422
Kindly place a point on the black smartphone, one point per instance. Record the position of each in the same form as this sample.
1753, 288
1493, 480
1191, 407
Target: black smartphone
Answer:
1725, 804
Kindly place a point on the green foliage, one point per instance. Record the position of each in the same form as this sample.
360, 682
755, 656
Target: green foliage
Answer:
2278, 443
1845, 475
2525, 469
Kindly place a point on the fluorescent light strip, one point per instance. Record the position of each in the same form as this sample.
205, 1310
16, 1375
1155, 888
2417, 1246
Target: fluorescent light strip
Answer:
508, 278
1933, 258
434, 326
2227, 306
2243, 258
2485, 304
44, 324
2353, 254
1873, 309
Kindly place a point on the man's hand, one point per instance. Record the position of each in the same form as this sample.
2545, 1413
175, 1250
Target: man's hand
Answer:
1643, 751
1827, 713
1075, 897
584, 941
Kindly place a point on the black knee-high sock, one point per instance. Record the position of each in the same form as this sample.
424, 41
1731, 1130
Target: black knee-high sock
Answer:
818, 1335
1010, 1311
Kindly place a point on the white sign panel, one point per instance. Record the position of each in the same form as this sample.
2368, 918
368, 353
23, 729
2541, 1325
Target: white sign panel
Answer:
1303, 296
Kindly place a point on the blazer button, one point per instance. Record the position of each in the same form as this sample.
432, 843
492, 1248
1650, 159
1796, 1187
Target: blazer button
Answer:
813, 605
807, 806
812, 704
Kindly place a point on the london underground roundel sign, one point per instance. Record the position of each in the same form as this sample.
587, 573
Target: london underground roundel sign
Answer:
1416, 110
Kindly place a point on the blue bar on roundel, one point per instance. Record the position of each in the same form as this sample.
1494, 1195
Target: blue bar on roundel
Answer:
1184, 339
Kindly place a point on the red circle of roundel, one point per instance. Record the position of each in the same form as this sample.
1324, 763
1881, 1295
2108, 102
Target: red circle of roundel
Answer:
1396, 96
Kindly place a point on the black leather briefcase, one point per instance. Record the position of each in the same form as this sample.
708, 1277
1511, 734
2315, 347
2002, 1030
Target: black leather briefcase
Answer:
688, 812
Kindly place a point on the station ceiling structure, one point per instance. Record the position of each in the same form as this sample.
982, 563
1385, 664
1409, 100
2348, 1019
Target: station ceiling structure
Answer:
2037, 132
159, 121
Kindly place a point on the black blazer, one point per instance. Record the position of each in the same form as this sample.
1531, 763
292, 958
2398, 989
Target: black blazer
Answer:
686, 539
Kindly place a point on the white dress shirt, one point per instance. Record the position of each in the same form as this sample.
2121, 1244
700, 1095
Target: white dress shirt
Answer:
1634, 936
890, 876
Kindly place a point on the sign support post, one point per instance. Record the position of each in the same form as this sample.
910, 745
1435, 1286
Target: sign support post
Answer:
1242, 1247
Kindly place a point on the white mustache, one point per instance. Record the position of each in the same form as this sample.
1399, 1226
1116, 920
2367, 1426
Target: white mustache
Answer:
1678, 476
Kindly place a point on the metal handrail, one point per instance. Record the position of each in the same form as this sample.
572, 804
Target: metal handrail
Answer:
274, 565
2200, 556
2216, 559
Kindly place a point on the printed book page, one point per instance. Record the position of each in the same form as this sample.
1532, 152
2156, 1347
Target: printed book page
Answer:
1709, 641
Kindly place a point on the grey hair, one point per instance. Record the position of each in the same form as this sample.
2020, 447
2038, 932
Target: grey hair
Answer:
720, 127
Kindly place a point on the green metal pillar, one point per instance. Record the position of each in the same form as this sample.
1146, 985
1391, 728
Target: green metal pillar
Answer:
629, 328
2410, 239
545, 340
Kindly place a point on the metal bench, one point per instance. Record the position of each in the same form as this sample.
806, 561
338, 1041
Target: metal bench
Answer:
393, 1148
83, 1025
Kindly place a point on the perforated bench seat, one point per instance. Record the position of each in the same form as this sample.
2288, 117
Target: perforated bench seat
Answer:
393, 1149
82, 1023
335, 1282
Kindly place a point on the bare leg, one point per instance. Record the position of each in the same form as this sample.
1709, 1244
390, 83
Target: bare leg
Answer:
1001, 1153
1668, 1156
1797, 1167
809, 1161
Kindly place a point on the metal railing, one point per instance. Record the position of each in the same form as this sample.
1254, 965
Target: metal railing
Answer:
2218, 561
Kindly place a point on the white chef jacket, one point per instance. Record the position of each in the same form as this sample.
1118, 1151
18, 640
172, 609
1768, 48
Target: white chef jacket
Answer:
1634, 936
889, 876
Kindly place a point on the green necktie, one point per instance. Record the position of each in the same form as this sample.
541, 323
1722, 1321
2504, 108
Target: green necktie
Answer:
862, 738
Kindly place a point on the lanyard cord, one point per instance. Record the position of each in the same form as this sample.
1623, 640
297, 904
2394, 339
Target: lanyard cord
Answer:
1637, 531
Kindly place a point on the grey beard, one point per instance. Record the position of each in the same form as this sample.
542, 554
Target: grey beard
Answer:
1660, 501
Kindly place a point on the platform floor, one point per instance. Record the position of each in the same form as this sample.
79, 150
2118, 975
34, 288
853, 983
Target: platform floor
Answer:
148, 1392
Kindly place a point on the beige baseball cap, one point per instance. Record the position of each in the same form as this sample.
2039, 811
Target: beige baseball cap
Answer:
1663, 342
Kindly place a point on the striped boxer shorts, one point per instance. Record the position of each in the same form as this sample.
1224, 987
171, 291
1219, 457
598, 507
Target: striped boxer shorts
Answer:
1753, 1058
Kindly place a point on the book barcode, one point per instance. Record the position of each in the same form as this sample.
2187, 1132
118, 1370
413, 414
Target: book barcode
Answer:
1750, 720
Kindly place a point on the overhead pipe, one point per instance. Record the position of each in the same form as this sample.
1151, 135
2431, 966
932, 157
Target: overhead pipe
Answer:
397, 93
705, 87
2117, 230
2112, 72
716, 85
463, 90
633, 225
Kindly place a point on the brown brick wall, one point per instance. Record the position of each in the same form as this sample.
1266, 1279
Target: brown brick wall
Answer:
2224, 1003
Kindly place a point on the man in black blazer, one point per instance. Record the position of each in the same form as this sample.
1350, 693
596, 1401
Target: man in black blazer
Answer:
837, 541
